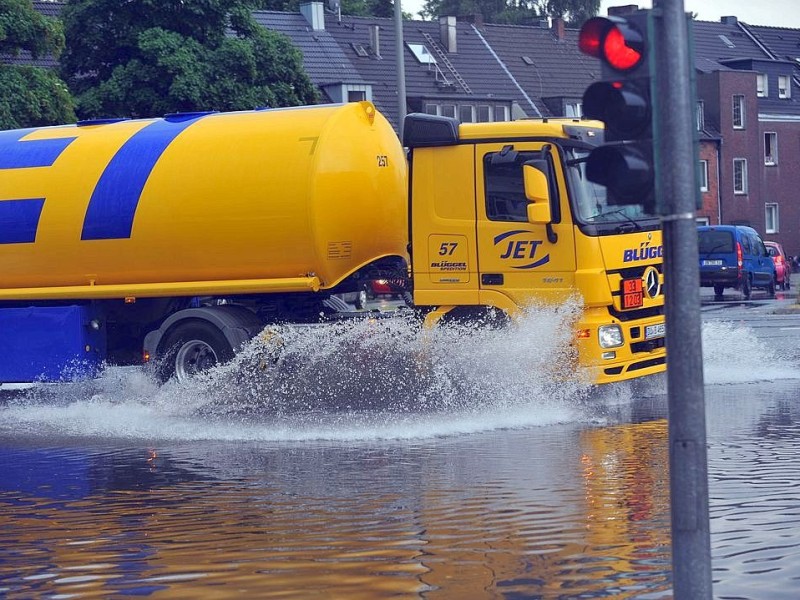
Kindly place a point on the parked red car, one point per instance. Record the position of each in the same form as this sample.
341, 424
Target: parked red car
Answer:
783, 268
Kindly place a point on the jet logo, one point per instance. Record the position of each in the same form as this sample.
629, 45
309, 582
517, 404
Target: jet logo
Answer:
518, 246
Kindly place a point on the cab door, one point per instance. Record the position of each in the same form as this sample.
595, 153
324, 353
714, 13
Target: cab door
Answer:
517, 258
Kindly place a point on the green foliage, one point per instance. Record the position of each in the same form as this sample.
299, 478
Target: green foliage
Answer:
22, 28
153, 57
517, 12
30, 96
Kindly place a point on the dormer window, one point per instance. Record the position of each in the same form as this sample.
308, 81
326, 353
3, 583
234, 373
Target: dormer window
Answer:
784, 86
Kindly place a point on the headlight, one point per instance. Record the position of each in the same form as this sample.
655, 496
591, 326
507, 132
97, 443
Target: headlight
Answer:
610, 336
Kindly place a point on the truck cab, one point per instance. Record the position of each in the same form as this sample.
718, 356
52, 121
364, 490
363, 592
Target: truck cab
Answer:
502, 215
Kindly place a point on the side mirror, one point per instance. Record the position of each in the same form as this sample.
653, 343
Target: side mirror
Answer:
537, 191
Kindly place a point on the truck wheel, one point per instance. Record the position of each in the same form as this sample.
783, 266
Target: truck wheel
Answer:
192, 348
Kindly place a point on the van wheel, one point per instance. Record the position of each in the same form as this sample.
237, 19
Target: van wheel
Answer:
361, 300
718, 289
771, 289
747, 289
192, 348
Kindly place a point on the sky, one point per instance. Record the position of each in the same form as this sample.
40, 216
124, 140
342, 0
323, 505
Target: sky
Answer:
777, 13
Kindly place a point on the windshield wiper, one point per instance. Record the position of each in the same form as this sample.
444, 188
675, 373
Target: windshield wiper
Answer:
621, 213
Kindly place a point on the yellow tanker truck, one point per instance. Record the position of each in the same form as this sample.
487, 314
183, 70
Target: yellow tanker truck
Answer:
178, 239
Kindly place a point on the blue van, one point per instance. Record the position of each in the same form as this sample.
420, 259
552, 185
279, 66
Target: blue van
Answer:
734, 256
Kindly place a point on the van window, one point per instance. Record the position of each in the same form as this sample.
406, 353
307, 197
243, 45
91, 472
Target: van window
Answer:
715, 241
747, 246
758, 247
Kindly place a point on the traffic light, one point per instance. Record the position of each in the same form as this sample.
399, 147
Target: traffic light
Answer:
623, 100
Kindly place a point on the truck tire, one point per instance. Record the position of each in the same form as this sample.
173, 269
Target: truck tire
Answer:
191, 348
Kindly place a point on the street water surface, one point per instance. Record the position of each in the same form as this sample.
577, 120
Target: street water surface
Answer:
375, 461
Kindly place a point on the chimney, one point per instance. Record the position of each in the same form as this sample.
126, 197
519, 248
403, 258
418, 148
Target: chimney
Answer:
447, 33
314, 14
375, 39
729, 20
558, 28
621, 11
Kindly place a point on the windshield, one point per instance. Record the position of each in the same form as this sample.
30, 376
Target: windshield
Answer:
589, 204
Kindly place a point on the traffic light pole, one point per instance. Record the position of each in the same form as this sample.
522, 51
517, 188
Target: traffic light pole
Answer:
674, 123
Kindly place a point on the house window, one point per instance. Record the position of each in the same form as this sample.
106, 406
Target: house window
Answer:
701, 119
703, 175
484, 113
784, 86
770, 148
422, 54
431, 109
449, 110
738, 111
739, 175
703, 221
762, 85
573, 109
356, 95
501, 113
771, 218
466, 113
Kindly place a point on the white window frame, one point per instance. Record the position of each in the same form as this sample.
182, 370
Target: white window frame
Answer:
771, 158
762, 85
785, 90
466, 107
703, 221
742, 162
501, 113
738, 103
701, 115
703, 175
771, 217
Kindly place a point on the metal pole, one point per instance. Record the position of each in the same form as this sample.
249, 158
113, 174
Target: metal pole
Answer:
401, 68
677, 187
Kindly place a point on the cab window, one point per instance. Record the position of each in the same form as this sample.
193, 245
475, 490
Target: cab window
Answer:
505, 190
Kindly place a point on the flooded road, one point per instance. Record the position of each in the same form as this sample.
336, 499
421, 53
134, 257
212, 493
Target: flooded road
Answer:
488, 474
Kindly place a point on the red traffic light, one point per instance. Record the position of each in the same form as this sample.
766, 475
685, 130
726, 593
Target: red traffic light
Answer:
613, 40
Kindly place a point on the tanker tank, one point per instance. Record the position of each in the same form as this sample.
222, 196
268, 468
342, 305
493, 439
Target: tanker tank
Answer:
200, 203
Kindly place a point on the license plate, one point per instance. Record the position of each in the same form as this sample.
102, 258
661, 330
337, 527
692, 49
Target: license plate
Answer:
655, 331
712, 263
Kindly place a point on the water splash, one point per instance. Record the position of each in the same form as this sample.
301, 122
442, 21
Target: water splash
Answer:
733, 353
371, 378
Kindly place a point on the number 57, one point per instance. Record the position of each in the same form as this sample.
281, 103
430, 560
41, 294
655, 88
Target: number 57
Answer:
447, 248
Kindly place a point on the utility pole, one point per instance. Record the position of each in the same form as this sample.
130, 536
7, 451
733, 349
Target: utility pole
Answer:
401, 68
677, 190
649, 159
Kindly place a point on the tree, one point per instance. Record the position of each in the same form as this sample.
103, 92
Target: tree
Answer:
516, 12
153, 57
359, 8
30, 96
